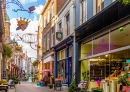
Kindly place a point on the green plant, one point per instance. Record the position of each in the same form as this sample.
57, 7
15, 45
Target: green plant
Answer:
73, 87
7, 51
50, 85
97, 89
35, 63
24, 74
7, 69
126, 2
85, 75
15, 79
52, 77
124, 79
2, 81
36, 78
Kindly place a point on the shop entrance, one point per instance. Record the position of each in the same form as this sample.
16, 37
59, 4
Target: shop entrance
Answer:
62, 71
65, 71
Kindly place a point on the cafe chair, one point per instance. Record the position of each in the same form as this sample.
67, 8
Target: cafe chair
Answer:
11, 85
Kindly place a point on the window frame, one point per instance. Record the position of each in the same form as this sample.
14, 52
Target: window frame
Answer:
67, 24
52, 9
48, 40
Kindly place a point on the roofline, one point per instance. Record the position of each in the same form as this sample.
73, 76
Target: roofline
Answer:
46, 5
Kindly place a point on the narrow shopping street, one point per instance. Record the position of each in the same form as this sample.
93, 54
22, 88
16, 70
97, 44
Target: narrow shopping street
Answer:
32, 87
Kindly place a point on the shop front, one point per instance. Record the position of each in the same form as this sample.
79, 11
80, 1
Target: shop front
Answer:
104, 55
64, 60
49, 64
103, 47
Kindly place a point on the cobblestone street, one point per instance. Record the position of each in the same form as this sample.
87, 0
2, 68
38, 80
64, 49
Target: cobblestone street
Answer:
31, 87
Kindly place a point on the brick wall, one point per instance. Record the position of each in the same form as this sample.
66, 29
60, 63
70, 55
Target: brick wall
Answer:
59, 4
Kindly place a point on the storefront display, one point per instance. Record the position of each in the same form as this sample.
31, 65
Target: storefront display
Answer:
63, 60
105, 56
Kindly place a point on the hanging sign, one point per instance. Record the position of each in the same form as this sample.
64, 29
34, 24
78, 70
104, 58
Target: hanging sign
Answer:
22, 24
59, 36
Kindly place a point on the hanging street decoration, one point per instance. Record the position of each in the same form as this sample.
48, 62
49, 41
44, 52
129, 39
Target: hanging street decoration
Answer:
18, 48
17, 2
22, 24
126, 2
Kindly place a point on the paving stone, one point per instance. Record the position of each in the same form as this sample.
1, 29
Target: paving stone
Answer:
30, 87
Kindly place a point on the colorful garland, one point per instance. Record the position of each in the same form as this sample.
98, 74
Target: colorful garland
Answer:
126, 2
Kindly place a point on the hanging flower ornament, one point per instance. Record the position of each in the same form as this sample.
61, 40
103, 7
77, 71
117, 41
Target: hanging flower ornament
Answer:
22, 24
126, 2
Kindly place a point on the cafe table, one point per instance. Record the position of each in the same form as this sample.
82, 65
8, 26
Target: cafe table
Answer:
4, 87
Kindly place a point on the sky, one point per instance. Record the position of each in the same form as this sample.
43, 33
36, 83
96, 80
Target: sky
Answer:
32, 26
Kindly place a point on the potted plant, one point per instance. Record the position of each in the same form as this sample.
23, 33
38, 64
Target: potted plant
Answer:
36, 78
73, 87
15, 80
2, 81
97, 89
50, 85
52, 78
123, 80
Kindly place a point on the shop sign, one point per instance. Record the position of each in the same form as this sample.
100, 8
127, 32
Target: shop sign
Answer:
59, 36
102, 47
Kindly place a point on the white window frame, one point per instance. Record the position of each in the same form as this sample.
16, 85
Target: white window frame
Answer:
52, 36
44, 21
44, 43
52, 9
48, 39
48, 15
67, 25
83, 11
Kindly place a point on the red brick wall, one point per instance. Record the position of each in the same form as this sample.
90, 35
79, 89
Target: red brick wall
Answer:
59, 4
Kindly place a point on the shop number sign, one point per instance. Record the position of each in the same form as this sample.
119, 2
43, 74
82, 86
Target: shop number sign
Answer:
59, 36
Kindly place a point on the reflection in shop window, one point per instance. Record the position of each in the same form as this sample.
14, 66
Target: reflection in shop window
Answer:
120, 38
86, 49
101, 44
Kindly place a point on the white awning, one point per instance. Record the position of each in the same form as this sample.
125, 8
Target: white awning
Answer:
48, 59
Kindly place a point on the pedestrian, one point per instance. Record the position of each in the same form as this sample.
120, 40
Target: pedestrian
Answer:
25, 78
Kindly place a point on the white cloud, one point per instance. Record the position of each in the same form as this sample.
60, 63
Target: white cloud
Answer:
35, 18
38, 9
32, 28
27, 1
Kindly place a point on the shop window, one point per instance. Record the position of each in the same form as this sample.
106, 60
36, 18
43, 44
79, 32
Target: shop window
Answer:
101, 44
108, 65
62, 54
65, 53
119, 37
62, 71
99, 5
70, 51
59, 55
86, 49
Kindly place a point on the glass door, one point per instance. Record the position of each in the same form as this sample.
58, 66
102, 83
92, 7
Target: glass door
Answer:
70, 77
62, 71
